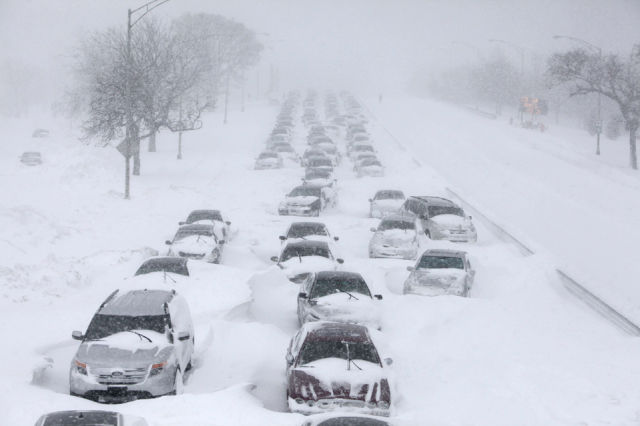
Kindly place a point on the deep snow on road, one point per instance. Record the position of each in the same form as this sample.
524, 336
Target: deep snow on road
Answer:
518, 351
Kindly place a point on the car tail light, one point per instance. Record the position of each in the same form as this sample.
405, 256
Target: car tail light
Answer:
157, 368
81, 367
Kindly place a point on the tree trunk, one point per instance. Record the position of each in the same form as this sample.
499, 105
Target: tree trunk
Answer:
633, 156
136, 156
152, 142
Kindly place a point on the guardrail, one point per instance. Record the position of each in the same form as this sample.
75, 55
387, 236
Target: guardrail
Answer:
571, 285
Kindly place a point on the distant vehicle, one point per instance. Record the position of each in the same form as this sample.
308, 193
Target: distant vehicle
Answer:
275, 139
221, 225
396, 236
40, 133
308, 231
441, 219
385, 201
320, 163
369, 167
138, 345
439, 272
268, 160
299, 258
360, 147
89, 418
31, 158
344, 419
286, 151
304, 200
337, 296
336, 366
175, 265
196, 242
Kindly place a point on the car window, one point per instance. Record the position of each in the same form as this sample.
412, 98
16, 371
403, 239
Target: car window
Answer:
388, 224
177, 266
313, 350
438, 210
303, 230
102, 325
440, 262
298, 251
324, 286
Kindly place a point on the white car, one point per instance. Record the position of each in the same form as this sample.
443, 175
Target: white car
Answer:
299, 258
300, 231
304, 200
196, 241
385, 202
338, 296
268, 160
89, 418
441, 219
440, 272
396, 236
370, 167
221, 225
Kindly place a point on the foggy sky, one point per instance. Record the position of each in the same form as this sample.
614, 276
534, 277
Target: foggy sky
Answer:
358, 44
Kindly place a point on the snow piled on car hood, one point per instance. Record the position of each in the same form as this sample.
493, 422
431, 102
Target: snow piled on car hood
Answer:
341, 307
124, 347
450, 220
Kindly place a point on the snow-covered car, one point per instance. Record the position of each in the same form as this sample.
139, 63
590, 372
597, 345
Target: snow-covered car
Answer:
385, 201
286, 151
170, 264
308, 231
338, 296
40, 133
359, 147
330, 150
336, 367
89, 418
369, 167
277, 139
396, 236
138, 345
31, 158
268, 160
321, 163
311, 153
221, 225
304, 200
196, 241
344, 420
439, 272
323, 179
441, 219
299, 258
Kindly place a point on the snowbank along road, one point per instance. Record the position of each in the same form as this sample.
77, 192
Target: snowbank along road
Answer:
518, 351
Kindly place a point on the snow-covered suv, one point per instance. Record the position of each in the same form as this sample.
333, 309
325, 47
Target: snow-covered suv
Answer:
440, 272
138, 345
441, 219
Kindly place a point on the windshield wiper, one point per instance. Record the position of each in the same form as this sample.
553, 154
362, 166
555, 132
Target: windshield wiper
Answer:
350, 295
349, 360
168, 276
140, 335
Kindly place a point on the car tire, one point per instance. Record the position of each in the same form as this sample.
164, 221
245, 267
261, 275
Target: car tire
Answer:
178, 383
217, 257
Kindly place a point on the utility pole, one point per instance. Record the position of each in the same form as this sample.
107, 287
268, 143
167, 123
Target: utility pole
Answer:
599, 50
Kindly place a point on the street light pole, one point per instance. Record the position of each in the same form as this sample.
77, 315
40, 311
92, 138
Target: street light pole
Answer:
599, 50
130, 126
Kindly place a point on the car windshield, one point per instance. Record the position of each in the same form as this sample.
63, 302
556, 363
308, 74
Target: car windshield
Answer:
353, 421
82, 418
267, 155
210, 215
102, 326
175, 265
440, 262
388, 224
298, 251
184, 233
319, 162
317, 174
324, 286
313, 350
389, 195
302, 230
370, 162
305, 191
438, 210
363, 148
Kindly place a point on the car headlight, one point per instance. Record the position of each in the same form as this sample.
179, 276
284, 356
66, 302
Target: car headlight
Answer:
157, 368
81, 367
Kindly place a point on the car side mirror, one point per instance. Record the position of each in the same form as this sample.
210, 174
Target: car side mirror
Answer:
282, 237
411, 268
372, 229
221, 242
340, 261
336, 238
378, 296
289, 358
182, 222
183, 335
371, 200
302, 295
168, 242
228, 222
470, 217
274, 258
388, 361
77, 335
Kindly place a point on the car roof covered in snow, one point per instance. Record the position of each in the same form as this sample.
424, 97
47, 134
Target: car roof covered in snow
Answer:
444, 252
137, 302
325, 330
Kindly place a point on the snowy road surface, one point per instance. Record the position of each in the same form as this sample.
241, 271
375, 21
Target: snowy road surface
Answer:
519, 351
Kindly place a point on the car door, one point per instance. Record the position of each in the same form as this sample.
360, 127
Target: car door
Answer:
181, 322
303, 302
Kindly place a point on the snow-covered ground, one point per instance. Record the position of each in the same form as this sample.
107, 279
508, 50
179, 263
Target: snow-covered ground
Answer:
518, 351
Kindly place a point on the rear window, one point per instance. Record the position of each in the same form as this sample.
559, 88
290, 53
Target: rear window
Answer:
297, 251
84, 418
175, 265
440, 262
355, 286
389, 224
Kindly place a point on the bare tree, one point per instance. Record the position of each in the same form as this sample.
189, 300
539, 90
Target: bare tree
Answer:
610, 75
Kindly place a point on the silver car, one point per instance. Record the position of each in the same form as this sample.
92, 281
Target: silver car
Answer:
385, 202
138, 345
440, 272
396, 236
441, 219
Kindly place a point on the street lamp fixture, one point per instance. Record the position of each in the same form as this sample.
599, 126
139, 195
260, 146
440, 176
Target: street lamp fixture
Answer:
599, 50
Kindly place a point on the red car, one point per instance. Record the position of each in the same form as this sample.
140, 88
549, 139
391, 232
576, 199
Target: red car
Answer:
336, 366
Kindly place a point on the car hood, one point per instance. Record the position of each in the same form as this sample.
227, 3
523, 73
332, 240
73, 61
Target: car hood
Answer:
440, 278
124, 349
451, 220
294, 266
359, 309
303, 200
395, 237
331, 378
194, 244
